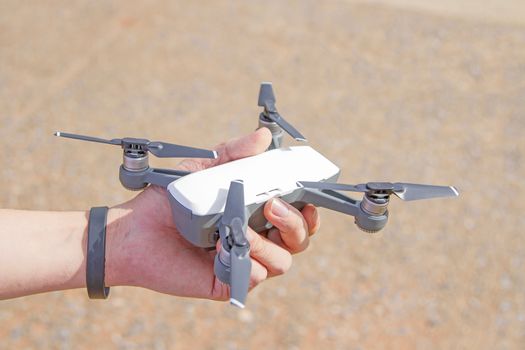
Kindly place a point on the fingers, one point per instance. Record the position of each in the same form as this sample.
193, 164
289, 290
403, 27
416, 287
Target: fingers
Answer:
274, 258
313, 220
272, 255
246, 146
259, 273
293, 227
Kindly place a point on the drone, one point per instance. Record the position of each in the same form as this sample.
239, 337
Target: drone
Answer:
219, 203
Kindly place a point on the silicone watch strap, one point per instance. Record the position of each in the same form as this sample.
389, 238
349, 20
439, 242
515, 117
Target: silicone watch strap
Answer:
96, 253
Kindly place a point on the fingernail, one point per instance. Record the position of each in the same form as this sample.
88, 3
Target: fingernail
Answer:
279, 208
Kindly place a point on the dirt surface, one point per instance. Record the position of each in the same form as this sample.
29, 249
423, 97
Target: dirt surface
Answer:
498, 11
386, 93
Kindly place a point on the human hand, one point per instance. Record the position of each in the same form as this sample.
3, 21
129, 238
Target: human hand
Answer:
144, 248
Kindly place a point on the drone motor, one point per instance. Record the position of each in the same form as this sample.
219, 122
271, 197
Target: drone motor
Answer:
135, 172
272, 120
373, 209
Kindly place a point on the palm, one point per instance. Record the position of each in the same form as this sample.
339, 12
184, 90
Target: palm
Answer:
158, 257
165, 260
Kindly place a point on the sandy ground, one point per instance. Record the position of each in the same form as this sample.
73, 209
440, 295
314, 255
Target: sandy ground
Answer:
498, 11
388, 93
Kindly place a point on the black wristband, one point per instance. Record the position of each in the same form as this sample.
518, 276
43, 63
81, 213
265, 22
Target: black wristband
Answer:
96, 253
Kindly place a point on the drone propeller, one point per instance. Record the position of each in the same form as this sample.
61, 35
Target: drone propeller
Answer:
233, 232
267, 100
159, 149
405, 191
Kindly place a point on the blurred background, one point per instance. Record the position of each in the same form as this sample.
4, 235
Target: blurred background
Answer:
399, 90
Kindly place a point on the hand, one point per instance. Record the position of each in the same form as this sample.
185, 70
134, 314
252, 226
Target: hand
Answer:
144, 248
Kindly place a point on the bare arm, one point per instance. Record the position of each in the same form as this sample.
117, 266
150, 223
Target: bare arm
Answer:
46, 251
43, 251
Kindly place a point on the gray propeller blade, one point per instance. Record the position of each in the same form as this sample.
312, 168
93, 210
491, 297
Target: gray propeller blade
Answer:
405, 191
267, 100
293, 132
241, 265
412, 192
234, 207
234, 218
117, 142
159, 149
332, 186
166, 150
266, 94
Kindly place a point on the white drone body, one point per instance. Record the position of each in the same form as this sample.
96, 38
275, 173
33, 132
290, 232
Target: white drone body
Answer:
219, 203
198, 199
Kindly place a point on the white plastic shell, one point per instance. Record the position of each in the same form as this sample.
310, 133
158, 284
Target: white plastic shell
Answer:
270, 174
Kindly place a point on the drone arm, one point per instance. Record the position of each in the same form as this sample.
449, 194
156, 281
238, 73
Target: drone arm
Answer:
331, 200
173, 172
162, 177
137, 180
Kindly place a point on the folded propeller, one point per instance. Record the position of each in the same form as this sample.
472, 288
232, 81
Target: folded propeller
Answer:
234, 258
405, 191
157, 148
267, 100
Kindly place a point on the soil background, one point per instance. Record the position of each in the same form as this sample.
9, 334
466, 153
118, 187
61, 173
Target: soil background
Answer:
389, 90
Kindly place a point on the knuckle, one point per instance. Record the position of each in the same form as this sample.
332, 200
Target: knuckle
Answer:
259, 276
294, 225
315, 228
220, 291
263, 275
302, 246
257, 246
284, 266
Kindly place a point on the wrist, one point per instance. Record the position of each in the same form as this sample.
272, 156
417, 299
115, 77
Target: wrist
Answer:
117, 270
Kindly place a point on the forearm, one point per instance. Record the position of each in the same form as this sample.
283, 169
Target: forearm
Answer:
46, 251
